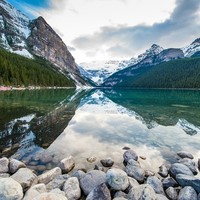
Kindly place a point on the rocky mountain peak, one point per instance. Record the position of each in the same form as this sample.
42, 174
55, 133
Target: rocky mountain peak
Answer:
20, 35
193, 48
197, 41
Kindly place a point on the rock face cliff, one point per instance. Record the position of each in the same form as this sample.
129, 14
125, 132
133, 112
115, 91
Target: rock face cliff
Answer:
43, 41
20, 35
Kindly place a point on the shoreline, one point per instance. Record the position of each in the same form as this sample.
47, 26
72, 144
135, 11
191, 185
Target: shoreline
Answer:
106, 181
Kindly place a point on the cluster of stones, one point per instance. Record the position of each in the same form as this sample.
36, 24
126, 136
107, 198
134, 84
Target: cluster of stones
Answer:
105, 182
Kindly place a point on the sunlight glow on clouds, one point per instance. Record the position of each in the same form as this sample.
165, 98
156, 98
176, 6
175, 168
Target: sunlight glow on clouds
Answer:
116, 29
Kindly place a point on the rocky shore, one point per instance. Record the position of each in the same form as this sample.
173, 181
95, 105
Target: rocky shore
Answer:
175, 181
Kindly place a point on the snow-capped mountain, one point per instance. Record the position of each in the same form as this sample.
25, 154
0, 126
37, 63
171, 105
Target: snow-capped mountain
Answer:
191, 49
14, 29
27, 37
151, 57
98, 71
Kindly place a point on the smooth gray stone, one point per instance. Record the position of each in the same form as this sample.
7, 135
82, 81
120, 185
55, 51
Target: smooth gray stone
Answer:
163, 171
130, 154
142, 192
161, 197
178, 168
4, 162
187, 193
156, 184
185, 154
134, 170
169, 182
91, 180
171, 193
57, 182
67, 164
10, 189
101, 192
49, 175
25, 177
72, 189
117, 179
14, 165
107, 162
190, 164
192, 181
78, 174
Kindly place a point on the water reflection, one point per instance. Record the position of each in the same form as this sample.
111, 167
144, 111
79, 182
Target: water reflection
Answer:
42, 127
101, 128
33, 119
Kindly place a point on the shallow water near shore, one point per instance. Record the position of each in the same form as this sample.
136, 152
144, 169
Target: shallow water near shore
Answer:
41, 127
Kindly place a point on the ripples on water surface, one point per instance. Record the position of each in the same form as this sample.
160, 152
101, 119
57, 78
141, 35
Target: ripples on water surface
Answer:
41, 127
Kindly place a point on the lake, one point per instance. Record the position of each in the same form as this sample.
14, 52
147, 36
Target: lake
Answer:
41, 127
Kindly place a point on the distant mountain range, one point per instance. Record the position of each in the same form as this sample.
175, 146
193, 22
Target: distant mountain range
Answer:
161, 68
35, 39
114, 73
19, 34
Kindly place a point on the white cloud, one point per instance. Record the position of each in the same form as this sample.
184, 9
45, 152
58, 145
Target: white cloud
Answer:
75, 18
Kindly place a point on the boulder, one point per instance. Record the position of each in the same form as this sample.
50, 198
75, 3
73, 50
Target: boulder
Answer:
169, 182
171, 193
91, 180
156, 184
72, 189
4, 175
185, 154
78, 174
117, 179
10, 189
163, 171
143, 192
57, 191
25, 177
120, 198
119, 194
161, 197
130, 154
14, 165
187, 193
49, 175
101, 192
4, 162
178, 168
34, 191
67, 164
134, 170
107, 162
57, 182
185, 180
50, 196
190, 164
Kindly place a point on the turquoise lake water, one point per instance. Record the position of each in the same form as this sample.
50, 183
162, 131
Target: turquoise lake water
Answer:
41, 127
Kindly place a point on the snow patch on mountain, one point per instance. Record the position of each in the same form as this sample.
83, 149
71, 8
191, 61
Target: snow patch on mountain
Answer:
192, 48
15, 22
98, 71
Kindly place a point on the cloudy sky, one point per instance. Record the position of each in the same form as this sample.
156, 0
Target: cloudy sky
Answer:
117, 29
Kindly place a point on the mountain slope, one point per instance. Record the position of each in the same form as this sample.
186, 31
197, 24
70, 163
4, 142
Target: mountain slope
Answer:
25, 37
18, 70
98, 71
183, 73
146, 61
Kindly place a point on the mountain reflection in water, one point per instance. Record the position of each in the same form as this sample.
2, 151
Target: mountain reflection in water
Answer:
41, 127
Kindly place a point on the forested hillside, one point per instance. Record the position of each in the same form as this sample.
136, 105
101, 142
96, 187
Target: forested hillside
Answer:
183, 73
17, 70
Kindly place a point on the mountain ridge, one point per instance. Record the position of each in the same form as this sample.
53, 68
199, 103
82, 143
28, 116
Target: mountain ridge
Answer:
27, 37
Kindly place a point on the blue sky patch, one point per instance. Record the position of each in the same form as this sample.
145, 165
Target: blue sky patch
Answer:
20, 4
